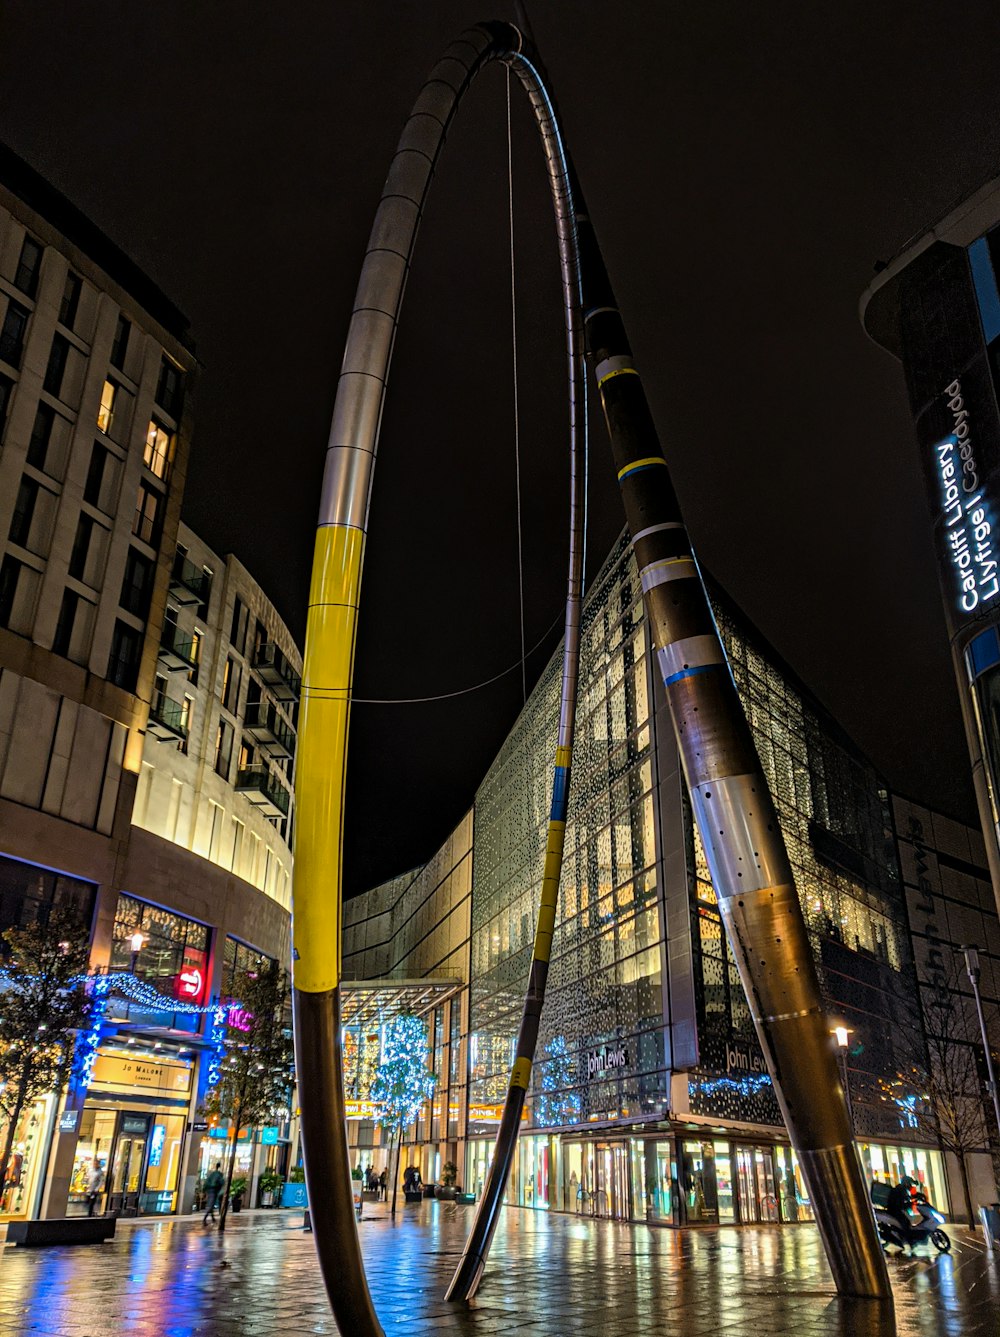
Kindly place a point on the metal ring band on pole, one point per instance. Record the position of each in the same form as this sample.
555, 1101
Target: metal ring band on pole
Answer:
329, 656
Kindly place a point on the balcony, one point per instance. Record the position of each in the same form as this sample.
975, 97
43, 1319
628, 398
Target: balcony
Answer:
275, 670
266, 727
177, 653
264, 790
167, 720
188, 583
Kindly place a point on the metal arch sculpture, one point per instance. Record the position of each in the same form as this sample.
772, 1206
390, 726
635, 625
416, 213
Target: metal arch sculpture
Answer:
330, 638
735, 814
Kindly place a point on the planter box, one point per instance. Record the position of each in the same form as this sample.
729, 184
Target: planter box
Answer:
446, 1192
414, 1196
428, 1190
466, 1199
369, 1195
71, 1230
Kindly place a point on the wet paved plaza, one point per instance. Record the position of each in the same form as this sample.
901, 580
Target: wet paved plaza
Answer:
548, 1275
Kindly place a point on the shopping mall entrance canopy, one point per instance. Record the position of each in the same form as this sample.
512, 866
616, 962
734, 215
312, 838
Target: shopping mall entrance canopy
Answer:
374, 1002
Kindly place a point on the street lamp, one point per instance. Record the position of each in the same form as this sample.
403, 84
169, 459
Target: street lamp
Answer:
136, 942
971, 955
842, 1034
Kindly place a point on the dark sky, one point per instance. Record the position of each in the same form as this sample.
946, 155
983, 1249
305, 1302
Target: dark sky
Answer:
745, 166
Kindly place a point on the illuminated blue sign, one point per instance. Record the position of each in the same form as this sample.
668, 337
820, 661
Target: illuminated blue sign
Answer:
967, 529
269, 1137
156, 1143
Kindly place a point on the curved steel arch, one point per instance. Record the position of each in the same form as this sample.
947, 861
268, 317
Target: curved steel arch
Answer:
733, 807
330, 638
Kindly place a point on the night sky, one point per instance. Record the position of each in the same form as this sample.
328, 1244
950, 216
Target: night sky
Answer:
745, 167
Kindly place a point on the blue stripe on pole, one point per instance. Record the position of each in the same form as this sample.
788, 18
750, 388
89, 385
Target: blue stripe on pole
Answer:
560, 794
690, 672
985, 281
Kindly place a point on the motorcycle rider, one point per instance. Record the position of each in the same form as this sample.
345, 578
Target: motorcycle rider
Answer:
897, 1206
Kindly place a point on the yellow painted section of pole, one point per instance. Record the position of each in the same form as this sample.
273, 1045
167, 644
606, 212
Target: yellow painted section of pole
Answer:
322, 757
550, 891
521, 1073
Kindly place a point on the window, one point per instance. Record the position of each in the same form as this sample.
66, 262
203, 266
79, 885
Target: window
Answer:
238, 630
28, 894
238, 959
119, 348
24, 509
137, 586
170, 943
6, 390
206, 593
223, 749
168, 389
15, 322
41, 435
10, 570
54, 372
231, 684
26, 277
95, 474
158, 454
70, 300
145, 524
81, 546
64, 627
106, 412
123, 664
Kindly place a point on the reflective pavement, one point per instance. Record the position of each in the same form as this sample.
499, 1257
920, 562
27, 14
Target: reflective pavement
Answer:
550, 1275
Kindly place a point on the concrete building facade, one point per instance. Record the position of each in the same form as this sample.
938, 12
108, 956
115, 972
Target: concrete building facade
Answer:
97, 378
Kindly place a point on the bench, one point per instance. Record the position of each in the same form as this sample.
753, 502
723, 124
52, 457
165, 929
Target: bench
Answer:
62, 1230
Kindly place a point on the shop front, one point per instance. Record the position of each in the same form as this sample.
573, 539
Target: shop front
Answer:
132, 1127
22, 1181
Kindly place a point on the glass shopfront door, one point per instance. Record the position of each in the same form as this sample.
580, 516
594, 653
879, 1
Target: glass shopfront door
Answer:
597, 1179
127, 1164
757, 1187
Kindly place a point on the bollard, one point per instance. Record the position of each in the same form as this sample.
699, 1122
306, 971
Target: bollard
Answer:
990, 1217
307, 1222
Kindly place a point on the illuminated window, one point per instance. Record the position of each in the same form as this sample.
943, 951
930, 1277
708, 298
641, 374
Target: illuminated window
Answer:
158, 454
106, 413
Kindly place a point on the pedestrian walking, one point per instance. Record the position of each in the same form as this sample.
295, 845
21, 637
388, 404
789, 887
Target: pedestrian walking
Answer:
383, 1185
95, 1182
213, 1190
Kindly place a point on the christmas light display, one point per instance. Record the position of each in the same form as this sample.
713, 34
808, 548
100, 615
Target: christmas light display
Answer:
402, 1080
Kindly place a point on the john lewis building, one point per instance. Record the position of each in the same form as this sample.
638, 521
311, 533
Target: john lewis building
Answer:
649, 1094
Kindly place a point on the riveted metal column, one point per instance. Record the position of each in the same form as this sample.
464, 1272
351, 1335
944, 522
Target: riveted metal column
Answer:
330, 638
733, 808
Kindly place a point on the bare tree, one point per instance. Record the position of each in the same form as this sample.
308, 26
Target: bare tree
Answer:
255, 1079
946, 1087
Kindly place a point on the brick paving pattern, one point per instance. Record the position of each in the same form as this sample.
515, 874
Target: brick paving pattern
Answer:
548, 1276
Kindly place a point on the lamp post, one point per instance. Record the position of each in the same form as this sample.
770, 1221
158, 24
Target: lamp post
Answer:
842, 1034
971, 955
136, 943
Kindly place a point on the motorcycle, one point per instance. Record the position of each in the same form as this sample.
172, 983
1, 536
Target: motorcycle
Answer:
926, 1229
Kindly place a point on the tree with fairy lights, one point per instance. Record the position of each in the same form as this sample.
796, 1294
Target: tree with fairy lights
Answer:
402, 1082
43, 1004
255, 1072
557, 1102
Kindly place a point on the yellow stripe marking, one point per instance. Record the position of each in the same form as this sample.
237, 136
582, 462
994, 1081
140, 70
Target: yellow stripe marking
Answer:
620, 371
563, 755
521, 1073
635, 464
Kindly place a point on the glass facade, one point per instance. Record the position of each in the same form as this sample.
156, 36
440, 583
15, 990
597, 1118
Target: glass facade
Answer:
600, 1052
